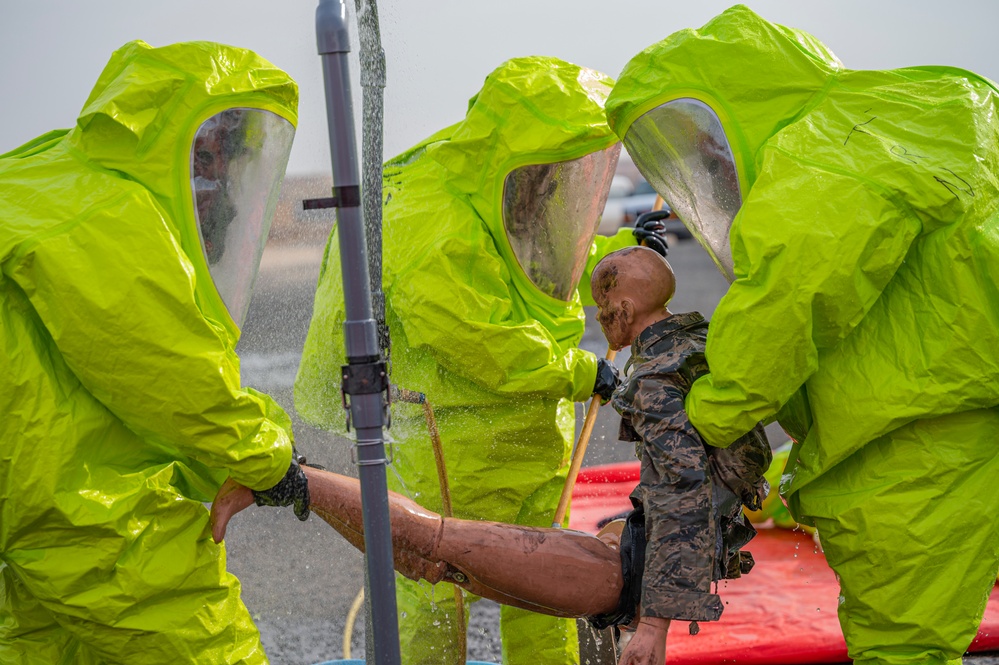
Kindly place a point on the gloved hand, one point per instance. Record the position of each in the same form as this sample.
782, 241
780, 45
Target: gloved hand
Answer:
292, 490
608, 379
651, 232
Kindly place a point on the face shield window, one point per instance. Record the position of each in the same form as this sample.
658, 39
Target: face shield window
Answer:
681, 149
237, 165
551, 213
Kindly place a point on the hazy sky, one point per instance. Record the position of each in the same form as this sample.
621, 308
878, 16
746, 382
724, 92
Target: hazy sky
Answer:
439, 51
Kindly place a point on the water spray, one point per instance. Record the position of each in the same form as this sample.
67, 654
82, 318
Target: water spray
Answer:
372, 58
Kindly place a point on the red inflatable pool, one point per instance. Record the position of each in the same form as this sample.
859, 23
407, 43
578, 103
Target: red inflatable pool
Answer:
784, 612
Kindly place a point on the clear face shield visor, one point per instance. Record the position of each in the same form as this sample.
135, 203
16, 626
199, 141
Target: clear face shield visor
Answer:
681, 149
237, 165
551, 213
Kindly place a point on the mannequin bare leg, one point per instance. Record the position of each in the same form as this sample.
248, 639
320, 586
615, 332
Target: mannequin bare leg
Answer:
551, 571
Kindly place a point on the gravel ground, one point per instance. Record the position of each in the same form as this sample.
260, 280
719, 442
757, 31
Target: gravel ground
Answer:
299, 580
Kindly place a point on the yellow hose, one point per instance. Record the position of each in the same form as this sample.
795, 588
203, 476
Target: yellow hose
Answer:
348, 629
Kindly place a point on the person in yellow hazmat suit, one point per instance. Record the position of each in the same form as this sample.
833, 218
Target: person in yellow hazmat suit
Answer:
489, 226
856, 214
128, 249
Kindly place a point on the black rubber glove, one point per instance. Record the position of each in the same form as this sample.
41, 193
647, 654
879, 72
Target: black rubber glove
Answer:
608, 379
292, 490
651, 232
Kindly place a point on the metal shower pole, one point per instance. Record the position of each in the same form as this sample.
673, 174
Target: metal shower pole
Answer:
365, 376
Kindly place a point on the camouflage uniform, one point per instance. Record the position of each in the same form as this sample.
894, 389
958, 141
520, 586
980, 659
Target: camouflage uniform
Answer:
691, 493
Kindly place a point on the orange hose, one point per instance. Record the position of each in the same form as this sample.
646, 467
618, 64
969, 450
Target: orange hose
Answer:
459, 599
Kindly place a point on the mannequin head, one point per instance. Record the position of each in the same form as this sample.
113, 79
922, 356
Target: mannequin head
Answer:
631, 287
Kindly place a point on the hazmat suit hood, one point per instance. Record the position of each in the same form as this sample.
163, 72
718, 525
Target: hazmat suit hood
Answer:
149, 117
456, 291
733, 83
534, 157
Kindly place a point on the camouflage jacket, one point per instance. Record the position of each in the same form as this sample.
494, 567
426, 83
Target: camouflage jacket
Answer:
692, 493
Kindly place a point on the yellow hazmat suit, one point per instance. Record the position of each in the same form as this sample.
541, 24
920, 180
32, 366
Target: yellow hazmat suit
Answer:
128, 246
856, 214
488, 227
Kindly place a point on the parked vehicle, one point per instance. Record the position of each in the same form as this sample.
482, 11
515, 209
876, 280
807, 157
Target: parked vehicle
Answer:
627, 201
